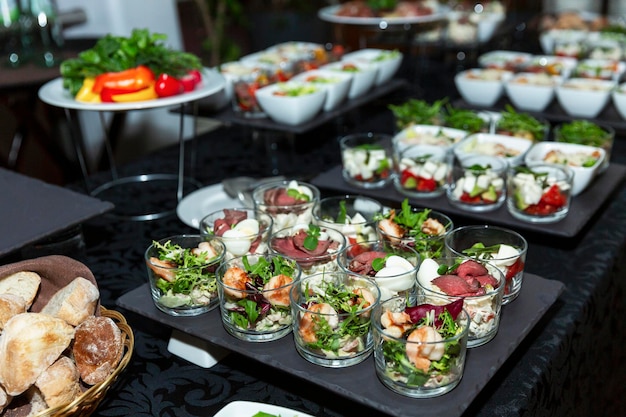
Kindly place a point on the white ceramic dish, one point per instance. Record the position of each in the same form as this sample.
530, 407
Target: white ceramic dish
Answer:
337, 85
603, 69
329, 14
503, 59
193, 207
584, 97
363, 78
54, 94
549, 38
510, 148
387, 62
531, 91
481, 86
444, 137
250, 408
574, 153
618, 95
291, 110
550, 64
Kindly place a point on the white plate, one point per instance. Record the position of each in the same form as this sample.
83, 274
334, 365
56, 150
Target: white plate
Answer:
249, 409
54, 94
192, 208
329, 14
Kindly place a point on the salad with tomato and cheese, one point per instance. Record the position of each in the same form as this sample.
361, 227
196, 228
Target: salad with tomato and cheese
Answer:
128, 69
538, 194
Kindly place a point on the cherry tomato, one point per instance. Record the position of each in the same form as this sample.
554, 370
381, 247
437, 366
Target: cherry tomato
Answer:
191, 80
167, 86
553, 196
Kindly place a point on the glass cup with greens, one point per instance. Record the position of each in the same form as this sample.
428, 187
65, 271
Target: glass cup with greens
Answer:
420, 349
331, 318
181, 273
254, 296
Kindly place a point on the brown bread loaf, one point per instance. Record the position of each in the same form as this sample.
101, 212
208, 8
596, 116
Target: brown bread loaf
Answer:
97, 348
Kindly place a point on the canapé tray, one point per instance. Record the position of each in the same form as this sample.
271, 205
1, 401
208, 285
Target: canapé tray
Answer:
360, 383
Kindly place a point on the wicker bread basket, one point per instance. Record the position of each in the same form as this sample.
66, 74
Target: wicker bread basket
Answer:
57, 271
89, 400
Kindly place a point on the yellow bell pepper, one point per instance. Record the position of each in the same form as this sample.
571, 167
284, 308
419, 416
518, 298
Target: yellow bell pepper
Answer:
85, 94
147, 93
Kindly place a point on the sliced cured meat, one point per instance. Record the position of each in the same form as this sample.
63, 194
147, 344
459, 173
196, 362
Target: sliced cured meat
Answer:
452, 284
471, 268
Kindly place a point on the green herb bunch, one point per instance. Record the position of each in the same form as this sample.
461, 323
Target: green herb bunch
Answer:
117, 53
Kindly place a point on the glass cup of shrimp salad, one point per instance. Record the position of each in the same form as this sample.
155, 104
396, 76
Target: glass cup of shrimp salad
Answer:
422, 229
392, 268
243, 230
254, 296
420, 349
352, 215
504, 248
288, 202
181, 273
480, 285
331, 318
315, 248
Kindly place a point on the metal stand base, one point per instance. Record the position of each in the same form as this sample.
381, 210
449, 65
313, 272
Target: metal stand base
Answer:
128, 181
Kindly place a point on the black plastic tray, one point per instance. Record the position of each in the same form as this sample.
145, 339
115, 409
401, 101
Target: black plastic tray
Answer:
360, 383
582, 209
265, 123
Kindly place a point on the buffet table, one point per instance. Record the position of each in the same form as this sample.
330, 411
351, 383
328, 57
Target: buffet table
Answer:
572, 362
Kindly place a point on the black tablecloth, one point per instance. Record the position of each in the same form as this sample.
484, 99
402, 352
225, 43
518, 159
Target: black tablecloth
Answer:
573, 363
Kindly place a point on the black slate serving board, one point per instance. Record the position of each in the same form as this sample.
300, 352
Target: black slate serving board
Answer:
582, 209
360, 383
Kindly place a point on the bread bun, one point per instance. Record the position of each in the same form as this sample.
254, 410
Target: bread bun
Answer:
30, 343
75, 302
10, 305
24, 283
97, 348
60, 383
4, 399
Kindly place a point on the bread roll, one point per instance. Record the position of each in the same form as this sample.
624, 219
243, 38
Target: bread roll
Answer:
23, 283
4, 399
97, 348
10, 305
60, 383
30, 343
74, 302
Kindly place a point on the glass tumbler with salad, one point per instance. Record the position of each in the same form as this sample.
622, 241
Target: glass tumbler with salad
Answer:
422, 171
393, 268
504, 248
332, 314
478, 183
288, 202
243, 230
420, 349
539, 193
181, 273
254, 296
367, 159
422, 229
584, 132
480, 284
352, 215
315, 248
